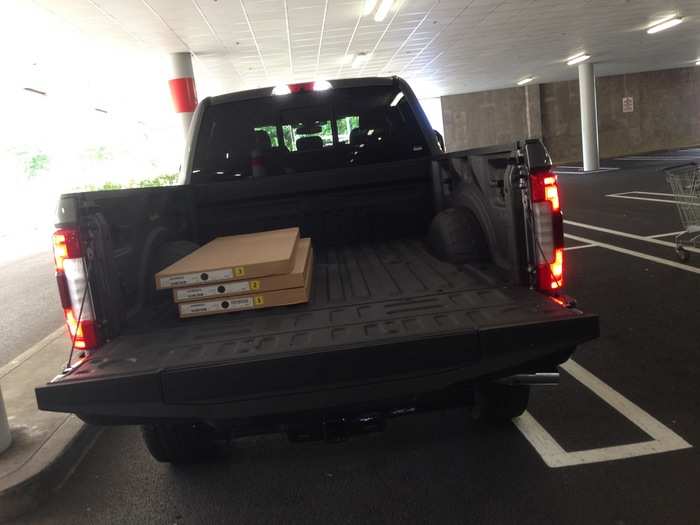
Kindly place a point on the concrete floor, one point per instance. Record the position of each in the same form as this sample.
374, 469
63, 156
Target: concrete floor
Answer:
31, 309
440, 467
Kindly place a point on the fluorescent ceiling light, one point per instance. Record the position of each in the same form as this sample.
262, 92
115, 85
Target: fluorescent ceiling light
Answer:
282, 89
368, 7
697, 62
322, 85
665, 23
525, 80
359, 60
577, 59
573, 57
383, 10
397, 99
37, 91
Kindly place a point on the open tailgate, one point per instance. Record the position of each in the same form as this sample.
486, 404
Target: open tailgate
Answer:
384, 320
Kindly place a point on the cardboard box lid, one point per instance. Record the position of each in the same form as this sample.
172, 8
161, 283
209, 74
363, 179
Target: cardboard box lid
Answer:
294, 279
234, 257
222, 305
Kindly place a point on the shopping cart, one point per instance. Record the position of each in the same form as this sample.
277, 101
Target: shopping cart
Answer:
685, 184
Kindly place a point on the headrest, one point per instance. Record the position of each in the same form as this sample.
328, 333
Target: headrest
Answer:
311, 143
262, 140
357, 135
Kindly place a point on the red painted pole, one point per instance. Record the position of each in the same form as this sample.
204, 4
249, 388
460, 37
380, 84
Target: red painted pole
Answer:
182, 88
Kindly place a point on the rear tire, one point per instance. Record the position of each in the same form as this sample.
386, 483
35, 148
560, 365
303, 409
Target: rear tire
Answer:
497, 404
180, 443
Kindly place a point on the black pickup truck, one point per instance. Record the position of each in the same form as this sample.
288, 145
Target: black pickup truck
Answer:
437, 276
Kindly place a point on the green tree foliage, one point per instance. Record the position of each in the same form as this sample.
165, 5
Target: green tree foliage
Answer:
98, 153
36, 164
166, 179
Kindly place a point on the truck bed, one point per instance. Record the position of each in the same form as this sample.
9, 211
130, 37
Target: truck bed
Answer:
378, 312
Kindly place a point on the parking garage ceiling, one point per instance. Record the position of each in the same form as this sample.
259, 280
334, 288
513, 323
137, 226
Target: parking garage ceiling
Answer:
444, 47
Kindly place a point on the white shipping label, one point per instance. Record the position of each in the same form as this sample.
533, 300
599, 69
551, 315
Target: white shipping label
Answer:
223, 305
201, 292
195, 278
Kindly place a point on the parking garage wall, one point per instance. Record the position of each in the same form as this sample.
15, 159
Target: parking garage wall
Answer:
665, 115
472, 120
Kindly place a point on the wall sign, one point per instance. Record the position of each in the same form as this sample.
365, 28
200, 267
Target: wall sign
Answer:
627, 104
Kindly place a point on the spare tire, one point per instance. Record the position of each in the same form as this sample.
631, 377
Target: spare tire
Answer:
456, 236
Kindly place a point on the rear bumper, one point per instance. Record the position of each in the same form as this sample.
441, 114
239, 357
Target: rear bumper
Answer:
318, 381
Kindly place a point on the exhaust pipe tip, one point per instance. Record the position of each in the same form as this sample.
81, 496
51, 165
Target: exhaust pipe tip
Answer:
537, 379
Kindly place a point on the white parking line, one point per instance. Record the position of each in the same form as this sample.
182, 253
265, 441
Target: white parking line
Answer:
554, 456
612, 247
631, 236
576, 170
621, 196
579, 247
659, 158
669, 234
658, 194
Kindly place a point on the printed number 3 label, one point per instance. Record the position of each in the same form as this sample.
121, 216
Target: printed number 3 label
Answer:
239, 271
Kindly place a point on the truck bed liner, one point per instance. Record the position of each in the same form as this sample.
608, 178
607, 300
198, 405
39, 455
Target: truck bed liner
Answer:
380, 310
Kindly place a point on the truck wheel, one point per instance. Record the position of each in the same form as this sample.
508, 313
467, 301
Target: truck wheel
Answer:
179, 443
495, 403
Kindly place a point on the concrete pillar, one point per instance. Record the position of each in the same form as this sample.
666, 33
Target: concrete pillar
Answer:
533, 111
5, 436
589, 117
182, 87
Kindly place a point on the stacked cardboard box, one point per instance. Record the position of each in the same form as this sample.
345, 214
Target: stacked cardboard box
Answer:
241, 272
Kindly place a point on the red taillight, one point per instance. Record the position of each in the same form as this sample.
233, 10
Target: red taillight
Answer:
303, 86
550, 277
549, 231
66, 245
84, 332
74, 289
286, 89
545, 188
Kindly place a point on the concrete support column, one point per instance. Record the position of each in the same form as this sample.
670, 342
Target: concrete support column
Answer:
5, 436
182, 87
589, 117
533, 111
